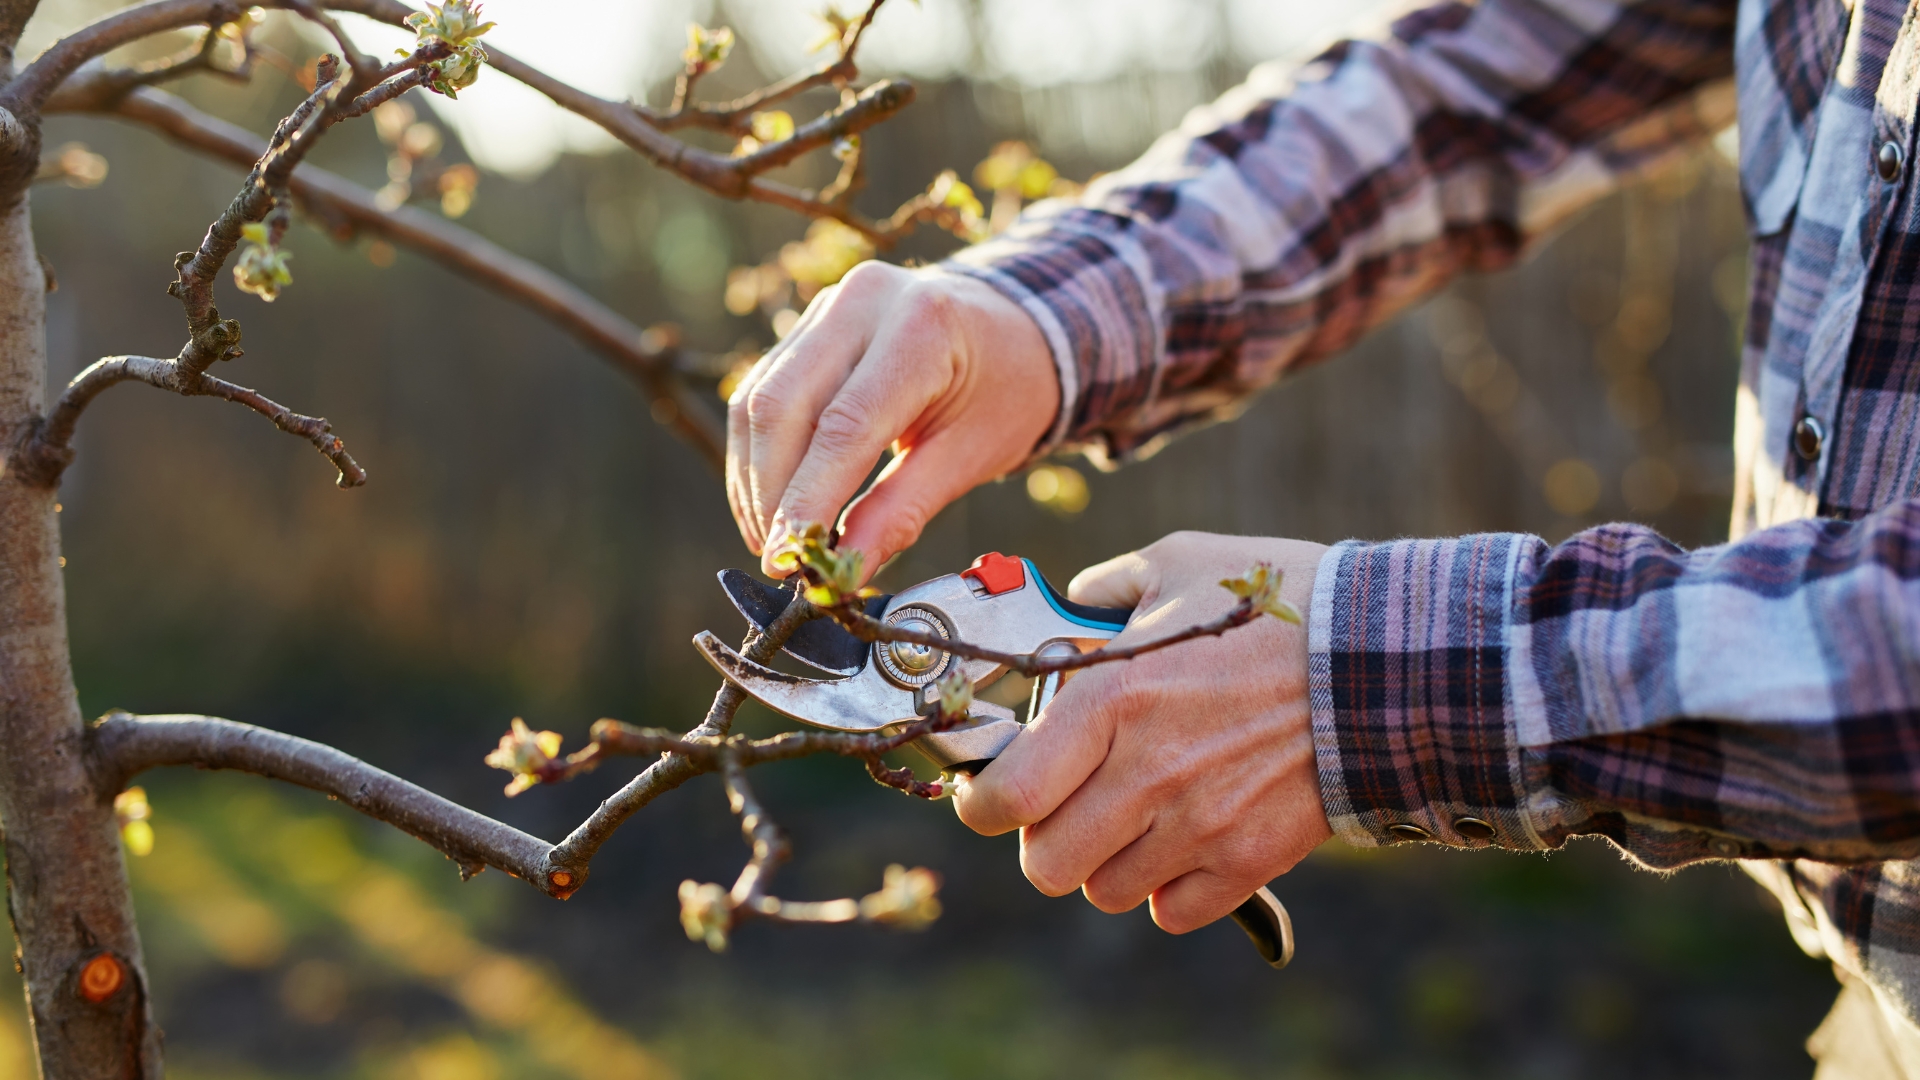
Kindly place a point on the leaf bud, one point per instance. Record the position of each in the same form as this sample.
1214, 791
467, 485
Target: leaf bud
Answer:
1260, 588
955, 692
526, 753
706, 49
261, 268
705, 913
907, 898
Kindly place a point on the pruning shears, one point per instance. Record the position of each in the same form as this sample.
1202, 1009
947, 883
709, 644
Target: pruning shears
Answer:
1001, 603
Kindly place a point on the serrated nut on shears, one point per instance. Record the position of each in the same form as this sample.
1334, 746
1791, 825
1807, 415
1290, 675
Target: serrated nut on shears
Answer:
910, 663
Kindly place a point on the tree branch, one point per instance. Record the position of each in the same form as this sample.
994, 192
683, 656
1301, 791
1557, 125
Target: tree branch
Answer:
30, 89
577, 850
874, 104
869, 629
333, 100
48, 450
345, 209
13, 19
121, 746
721, 174
736, 117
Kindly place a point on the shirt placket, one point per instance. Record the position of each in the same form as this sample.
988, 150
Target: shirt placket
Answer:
1882, 167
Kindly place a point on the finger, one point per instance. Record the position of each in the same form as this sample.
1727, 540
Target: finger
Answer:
739, 438
739, 458
1125, 880
1043, 765
1195, 899
904, 371
918, 483
1119, 582
786, 403
1103, 818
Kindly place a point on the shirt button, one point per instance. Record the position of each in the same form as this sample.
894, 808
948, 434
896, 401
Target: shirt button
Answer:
1474, 828
1808, 436
1887, 161
1409, 832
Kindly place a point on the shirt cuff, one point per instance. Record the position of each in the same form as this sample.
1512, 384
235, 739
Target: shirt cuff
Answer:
1086, 283
1413, 727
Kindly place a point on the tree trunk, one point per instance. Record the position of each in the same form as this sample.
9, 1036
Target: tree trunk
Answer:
78, 947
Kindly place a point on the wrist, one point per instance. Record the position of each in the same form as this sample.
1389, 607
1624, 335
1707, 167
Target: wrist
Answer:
1414, 734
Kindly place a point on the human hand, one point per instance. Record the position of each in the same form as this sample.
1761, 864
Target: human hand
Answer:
1186, 775
956, 377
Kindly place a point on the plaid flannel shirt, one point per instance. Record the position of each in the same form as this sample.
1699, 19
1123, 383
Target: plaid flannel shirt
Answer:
1756, 700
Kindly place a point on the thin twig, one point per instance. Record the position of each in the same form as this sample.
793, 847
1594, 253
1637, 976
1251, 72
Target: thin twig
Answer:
31, 88
869, 629
874, 104
736, 117
717, 173
721, 174
574, 853
366, 70
121, 746
346, 209
48, 451
199, 58
332, 101
705, 753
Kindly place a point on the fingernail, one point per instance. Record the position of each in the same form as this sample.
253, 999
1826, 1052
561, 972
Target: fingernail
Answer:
777, 529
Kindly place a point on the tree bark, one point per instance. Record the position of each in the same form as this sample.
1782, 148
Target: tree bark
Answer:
77, 946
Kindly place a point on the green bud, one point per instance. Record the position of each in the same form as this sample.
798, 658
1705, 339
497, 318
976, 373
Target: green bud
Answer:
455, 22
261, 268
525, 753
1260, 587
907, 898
705, 914
706, 49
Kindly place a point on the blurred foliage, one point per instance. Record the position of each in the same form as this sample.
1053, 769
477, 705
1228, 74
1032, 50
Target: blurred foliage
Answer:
531, 545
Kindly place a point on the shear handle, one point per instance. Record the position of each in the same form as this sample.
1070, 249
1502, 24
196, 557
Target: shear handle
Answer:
1082, 613
1265, 920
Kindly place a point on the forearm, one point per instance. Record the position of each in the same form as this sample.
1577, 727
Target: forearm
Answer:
1751, 700
1310, 205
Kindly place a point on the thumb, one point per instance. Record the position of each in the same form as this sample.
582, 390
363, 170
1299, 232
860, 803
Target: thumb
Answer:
1119, 582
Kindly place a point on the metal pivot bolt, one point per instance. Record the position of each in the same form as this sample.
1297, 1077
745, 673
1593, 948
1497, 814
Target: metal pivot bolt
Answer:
914, 657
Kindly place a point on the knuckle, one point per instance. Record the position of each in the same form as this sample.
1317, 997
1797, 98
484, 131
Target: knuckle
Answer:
1177, 918
1104, 896
1044, 873
865, 278
823, 300
1173, 545
765, 409
935, 305
843, 424
1126, 694
1020, 800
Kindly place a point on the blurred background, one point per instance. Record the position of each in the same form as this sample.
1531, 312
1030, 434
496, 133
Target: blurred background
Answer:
533, 544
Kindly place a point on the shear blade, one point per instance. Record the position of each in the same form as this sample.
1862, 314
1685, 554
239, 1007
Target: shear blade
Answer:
864, 702
821, 643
